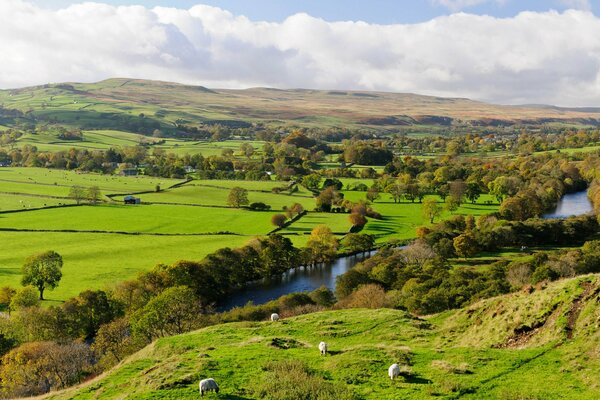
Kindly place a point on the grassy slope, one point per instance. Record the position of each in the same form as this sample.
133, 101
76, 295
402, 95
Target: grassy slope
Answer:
454, 354
88, 104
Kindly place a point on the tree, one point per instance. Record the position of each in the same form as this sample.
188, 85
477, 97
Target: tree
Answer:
452, 204
322, 245
396, 190
87, 312
77, 193
311, 181
431, 209
237, 197
372, 194
472, 191
23, 298
6, 295
457, 190
357, 219
37, 367
93, 194
175, 311
358, 242
328, 198
247, 149
465, 245
114, 340
43, 271
278, 220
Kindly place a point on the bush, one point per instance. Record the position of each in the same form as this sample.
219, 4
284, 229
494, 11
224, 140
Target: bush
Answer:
25, 297
366, 296
293, 380
259, 206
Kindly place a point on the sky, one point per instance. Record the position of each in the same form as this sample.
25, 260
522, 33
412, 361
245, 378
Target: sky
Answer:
502, 51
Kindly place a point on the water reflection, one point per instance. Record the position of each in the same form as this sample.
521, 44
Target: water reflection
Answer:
298, 280
571, 204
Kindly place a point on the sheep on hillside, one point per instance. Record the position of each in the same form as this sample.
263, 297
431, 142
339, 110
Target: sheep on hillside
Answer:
207, 385
274, 317
394, 371
323, 348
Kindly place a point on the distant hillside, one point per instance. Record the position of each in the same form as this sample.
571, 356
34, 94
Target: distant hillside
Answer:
121, 103
539, 345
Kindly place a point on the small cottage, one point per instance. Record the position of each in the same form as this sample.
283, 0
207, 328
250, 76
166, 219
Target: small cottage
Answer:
132, 200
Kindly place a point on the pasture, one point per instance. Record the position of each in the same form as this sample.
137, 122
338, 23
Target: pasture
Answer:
110, 242
215, 193
105, 139
100, 260
456, 354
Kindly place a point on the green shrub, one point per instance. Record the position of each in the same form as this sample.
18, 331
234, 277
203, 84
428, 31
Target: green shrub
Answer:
293, 380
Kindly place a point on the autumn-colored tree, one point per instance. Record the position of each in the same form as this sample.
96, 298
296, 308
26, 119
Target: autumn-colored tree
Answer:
278, 220
357, 219
431, 209
322, 245
465, 245
372, 194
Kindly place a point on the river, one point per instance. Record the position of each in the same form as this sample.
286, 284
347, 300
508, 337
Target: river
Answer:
571, 204
301, 279
305, 279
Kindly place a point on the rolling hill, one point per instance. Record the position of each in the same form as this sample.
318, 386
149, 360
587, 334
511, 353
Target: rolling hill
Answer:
538, 344
121, 103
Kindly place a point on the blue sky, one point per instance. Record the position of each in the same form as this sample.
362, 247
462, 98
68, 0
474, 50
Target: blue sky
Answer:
372, 11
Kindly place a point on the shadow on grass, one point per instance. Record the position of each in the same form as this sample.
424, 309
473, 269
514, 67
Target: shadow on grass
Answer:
417, 380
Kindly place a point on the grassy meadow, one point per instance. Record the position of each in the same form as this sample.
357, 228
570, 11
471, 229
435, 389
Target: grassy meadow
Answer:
457, 354
110, 242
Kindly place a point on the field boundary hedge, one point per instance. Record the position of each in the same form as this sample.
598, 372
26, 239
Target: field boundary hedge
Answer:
40, 208
288, 223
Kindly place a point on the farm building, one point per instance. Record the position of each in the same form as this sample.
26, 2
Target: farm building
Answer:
129, 172
132, 200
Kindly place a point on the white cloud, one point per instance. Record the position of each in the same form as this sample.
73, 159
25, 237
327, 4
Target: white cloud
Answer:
458, 5
585, 5
546, 57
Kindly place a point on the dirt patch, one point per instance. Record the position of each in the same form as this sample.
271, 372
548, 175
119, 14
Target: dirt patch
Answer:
286, 343
524, 333
577, 306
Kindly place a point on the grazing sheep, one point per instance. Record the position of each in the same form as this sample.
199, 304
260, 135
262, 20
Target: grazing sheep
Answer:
207, 385
323, 348
274, 317
394, 371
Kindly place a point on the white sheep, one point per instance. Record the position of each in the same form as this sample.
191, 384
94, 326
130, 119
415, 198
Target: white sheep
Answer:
206, 385
274, 317
323, 348
394, 371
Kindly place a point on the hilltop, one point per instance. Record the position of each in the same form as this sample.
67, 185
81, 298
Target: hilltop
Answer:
535, 344
119, 103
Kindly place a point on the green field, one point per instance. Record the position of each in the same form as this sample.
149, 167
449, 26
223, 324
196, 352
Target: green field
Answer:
142, 218
458, 354
96, 261
102, 249
401, 219
215, 193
